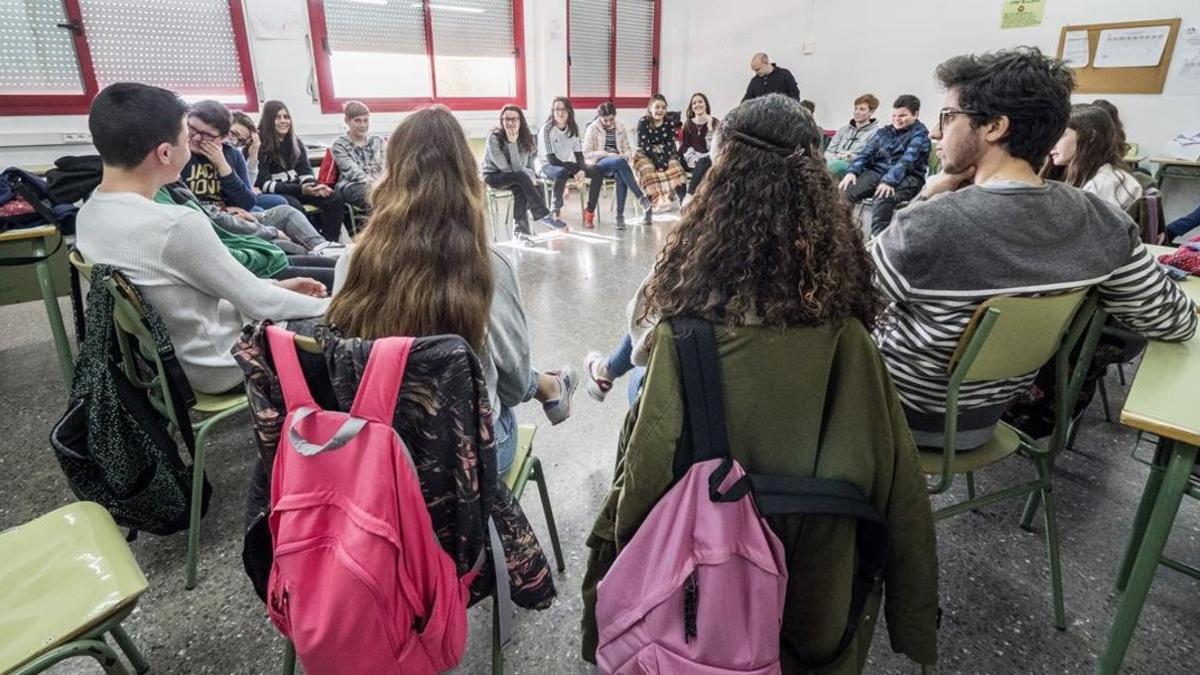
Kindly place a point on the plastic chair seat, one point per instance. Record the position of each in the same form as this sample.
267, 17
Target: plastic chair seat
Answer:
1004, 442
524, 449
61, 576
215, 403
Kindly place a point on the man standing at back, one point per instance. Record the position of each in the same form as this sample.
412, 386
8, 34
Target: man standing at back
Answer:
989, 226
770, 79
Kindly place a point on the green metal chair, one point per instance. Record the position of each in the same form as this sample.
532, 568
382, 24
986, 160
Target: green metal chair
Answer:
356, 218
136, 345
525, 467
1010, 337
67, 581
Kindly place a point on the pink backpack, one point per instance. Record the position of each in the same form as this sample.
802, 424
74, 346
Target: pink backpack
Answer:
359, 582
702, 585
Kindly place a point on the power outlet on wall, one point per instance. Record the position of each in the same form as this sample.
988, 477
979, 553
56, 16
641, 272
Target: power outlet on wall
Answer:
77, 137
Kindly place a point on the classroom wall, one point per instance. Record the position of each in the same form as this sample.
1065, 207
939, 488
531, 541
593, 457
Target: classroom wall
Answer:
890, 48
884, 47
283, 69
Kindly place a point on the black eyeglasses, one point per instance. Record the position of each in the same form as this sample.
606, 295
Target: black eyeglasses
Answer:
204, 135
947, 114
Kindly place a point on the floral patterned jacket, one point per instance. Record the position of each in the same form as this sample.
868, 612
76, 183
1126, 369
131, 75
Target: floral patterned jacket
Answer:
443, 416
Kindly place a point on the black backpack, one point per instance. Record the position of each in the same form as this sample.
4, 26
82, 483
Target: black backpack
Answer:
113, 445
18, 184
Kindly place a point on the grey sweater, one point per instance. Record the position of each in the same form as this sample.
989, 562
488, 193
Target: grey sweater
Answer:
940, 259
500, 156
505, 358
850, 140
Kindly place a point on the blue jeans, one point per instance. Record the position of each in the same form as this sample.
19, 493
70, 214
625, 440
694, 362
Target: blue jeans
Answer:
267, 201
619, 362
1178, 228
561, 173
622, 173
505, 430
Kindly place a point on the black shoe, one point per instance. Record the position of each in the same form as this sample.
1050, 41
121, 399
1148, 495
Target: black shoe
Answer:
620, 224
649, 217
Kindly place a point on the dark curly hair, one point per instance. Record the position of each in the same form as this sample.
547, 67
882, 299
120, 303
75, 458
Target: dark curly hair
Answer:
1029, 88
767, 234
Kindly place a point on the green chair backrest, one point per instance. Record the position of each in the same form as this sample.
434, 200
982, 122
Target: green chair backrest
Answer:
1013, 336
935, 163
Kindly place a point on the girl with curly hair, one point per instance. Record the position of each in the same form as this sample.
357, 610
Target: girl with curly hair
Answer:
765, 241
768, 252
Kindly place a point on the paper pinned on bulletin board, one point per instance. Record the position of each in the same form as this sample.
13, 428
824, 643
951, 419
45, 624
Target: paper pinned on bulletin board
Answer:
1131, 47
1022, 13
277, 19
1077, 49
1185, 78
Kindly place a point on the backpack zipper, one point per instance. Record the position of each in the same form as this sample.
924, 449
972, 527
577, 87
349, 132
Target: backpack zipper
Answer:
691, 598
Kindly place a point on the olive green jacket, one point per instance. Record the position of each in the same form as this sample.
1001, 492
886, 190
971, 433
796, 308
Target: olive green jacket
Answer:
804, 402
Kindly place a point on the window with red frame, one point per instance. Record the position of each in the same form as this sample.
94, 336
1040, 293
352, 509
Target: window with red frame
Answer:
397, 55
612, 51
64, 51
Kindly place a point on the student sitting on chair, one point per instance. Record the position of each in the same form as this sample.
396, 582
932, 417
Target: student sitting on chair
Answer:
988, 225
217, 177
359, 157
696, 144
508, 165
243, 134
606, 147
850, 140
423, 267
891, 167
656, 160
171, 253
788, 288
284, 169
1088, 156
562, 157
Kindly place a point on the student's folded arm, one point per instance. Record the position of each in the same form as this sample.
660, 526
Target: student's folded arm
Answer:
349, 170
303, 167
860, 162
1145, 299
200, 260
495, 154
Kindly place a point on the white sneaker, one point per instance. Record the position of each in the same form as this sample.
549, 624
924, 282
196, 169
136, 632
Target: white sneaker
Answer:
330, 250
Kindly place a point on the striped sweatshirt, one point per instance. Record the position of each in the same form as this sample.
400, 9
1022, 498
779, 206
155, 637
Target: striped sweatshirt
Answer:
944, 257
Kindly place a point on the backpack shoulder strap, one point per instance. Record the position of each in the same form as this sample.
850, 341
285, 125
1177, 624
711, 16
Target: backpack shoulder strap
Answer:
696, 346
288, 370
379, 388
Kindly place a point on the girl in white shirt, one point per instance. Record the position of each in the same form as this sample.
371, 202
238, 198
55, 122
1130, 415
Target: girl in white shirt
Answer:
1088, 156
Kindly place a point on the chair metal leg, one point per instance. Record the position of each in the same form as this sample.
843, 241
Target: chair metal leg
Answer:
1104, 400
1121, 374
497, 647
95, 648
1148, 554
289, 657
1032, 502
1056, 588
201, 430
539, 477
193, 550
970, 485
131, 651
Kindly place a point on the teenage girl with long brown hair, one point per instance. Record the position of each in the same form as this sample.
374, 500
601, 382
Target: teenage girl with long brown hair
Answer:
422, 266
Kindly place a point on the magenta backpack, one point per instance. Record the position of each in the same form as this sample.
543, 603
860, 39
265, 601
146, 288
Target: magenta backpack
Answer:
702, 585
359, 582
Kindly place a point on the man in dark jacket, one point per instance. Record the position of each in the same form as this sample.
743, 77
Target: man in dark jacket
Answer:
892, 165
770, 79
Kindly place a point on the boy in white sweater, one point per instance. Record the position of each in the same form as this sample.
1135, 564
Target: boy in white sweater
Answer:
171, 253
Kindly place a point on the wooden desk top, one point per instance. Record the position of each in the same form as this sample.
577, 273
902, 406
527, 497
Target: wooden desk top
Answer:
1162, 398
25, 233
1175, 161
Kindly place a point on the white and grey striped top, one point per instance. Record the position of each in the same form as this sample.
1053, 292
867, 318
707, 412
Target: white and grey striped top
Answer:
940, 259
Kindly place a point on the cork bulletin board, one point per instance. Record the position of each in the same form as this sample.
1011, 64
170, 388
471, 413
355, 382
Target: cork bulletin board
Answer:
1142, 79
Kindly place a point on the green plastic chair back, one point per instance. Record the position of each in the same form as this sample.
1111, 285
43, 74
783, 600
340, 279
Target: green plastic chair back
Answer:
935, 162
1013, 336
61, 576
